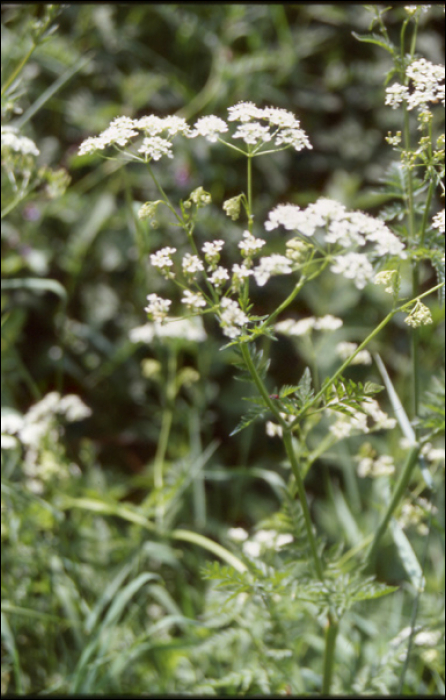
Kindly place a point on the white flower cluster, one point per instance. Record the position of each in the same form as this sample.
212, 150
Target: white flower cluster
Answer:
382, 466
346, 425
419, 316
186, 328
427, 86
123, 129
438, 221
163, 261
13, 141
211, 252
344, 350
305, 325
271, 265
157, 308
249, 245
282, 126
32, 431
260, 541
413, 515
232, 318
343, 228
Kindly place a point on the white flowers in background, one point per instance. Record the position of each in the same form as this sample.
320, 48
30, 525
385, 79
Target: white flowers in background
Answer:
13, 141
357, 422
273, 429
209, 127
211, 252
344, 350
419, 316
193, 300
383, 466
413, 514
271, 265
190, 329
219, 276
162, 260
305, 325
438, 221
191, 266
354, 266
232, 318
433, 454
157, 308
238, 534
264, 540
39, 428
249, 245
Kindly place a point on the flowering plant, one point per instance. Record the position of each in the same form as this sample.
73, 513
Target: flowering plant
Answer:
325, 237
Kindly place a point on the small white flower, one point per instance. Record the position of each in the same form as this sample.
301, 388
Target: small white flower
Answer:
250, 245
245, 112
219, 276
381, 419
297, 138
328, 323
272, 265
191, 265
209, 127
232, 318
287, 215
252, 549
193, 300
239, 274
155, 147
157, 307
355, 266
395, 94
190, 329
238, 534
344, 350
419, 316
273, 429
252, 133
211, 252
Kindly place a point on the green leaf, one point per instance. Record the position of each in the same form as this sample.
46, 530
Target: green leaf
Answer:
36, 285
375, 39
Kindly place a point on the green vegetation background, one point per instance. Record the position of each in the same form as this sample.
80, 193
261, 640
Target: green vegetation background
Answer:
189, 60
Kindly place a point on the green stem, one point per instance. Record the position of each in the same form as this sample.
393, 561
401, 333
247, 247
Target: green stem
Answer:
250, 214
287, 441
166, 420
331, 632
260, 386
398, 494
19, 69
